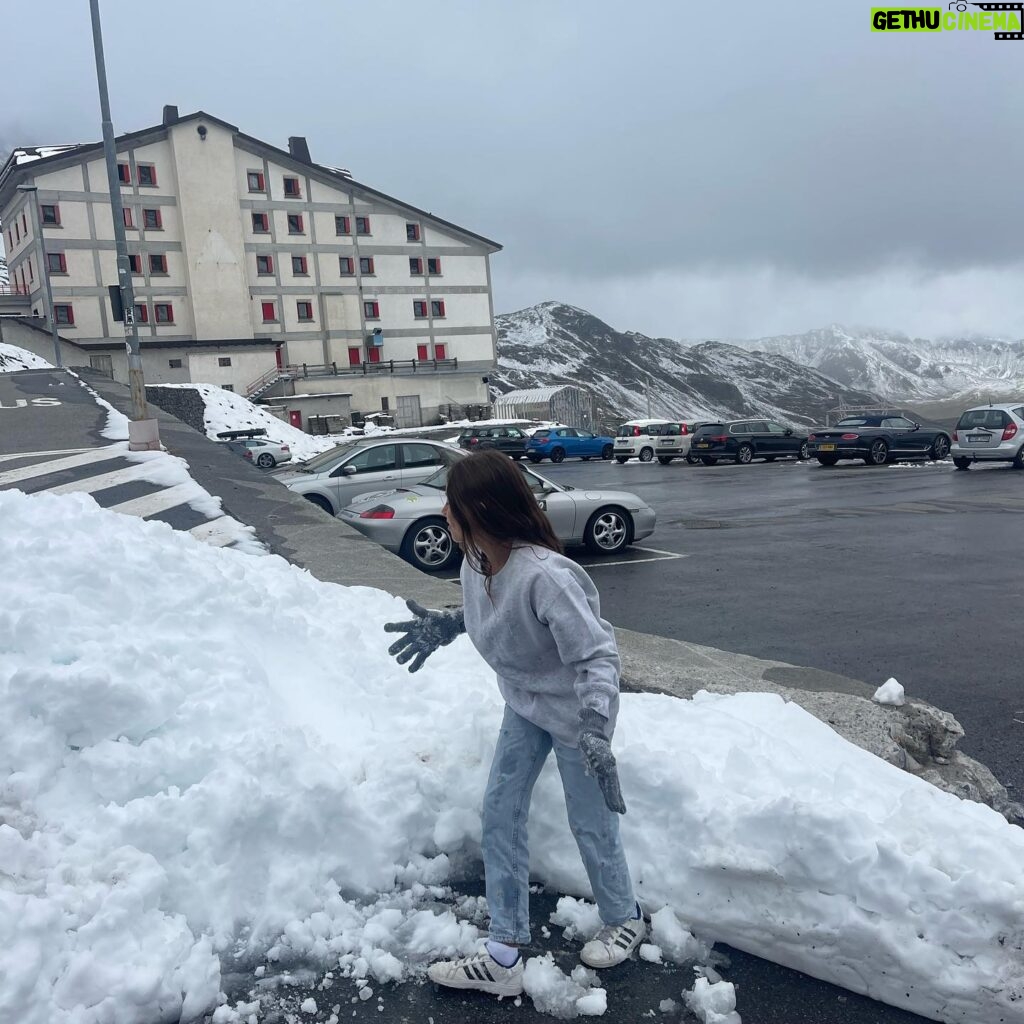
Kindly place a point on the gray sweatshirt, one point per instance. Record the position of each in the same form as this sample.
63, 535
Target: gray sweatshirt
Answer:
540, 629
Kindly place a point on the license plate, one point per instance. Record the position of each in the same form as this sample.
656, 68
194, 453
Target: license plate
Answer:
702, 444
668, 444
826, 447
979, 438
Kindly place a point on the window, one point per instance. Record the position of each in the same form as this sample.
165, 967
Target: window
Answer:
345, 265
437, 307
362, 225
157, 263
227, 387
264, 265
355, 356
163, 312
299, 266
256, 182
419, 308
146, 174
31, 270
64, 314
174, 364
135, 263
51, 215
141, 313
305, 310
223, 360
433, 265
291, 188
371, 310
127, 214
380, 458
269, 313
295, 224
415, 265
24, 225
56, 263
440, 351
17, 231
365, 264
342, 226
421, 353
124, 174
152, 220
261, 223
412, 232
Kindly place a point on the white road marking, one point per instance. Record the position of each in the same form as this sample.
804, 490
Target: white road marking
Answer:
92, 484
114, 451
159, 501
218, 532
29, 455
662, 556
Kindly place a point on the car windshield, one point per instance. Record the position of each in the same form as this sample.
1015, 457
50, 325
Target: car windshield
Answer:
542, 433
858, 421
670, 430
711, 428
982, 419
328, 458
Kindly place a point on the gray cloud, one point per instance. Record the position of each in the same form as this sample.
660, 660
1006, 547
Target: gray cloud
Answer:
614, 150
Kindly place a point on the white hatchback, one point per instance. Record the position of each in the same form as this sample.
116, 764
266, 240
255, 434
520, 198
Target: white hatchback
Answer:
638, 439
989, 433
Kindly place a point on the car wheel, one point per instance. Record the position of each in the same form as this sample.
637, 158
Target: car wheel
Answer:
744, 454
321, 502
606, 453
664, 459
939, 448
620, 459
1018, 459
429, 546
878, 453
805, 452
693, 460
608, 531
828, 460
962, 463
707, 460
265, 460
646, 454
557, 454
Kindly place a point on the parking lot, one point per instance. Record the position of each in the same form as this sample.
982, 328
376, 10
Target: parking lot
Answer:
909, 570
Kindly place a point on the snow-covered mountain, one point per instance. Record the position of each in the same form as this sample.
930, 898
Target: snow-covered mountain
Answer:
556, 343
899, 368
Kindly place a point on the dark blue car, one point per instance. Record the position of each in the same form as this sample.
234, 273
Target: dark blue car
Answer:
558, 443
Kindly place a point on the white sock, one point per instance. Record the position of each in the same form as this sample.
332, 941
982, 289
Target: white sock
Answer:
502, 954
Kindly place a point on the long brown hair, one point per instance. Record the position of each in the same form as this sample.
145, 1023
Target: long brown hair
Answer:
488, 493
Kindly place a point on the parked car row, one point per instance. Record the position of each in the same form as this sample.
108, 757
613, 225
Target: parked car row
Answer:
554, 443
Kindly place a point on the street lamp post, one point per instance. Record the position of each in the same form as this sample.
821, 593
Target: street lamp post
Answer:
32, 197
142, 431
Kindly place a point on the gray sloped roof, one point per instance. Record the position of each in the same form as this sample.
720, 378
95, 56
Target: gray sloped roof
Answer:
527, 395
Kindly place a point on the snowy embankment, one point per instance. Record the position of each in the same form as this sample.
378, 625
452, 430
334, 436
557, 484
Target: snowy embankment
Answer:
200, 748
13, 358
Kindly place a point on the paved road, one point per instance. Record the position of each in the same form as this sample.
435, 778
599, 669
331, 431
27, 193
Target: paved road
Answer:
910, 571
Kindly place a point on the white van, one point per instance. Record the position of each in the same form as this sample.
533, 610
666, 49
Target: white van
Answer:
642, 439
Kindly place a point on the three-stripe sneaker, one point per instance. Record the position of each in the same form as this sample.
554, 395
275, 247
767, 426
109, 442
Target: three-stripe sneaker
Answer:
480, 972
614, 943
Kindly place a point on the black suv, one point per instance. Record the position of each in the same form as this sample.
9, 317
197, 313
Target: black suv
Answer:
743, 440
510, 440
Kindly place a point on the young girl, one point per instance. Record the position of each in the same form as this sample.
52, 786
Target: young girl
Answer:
534, 616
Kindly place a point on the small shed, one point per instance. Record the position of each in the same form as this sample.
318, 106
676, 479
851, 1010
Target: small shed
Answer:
567, 403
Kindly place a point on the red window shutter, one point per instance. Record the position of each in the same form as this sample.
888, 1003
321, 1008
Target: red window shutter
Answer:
268, 312
440, 351
127, 217
421, 352
355, 357
374, 354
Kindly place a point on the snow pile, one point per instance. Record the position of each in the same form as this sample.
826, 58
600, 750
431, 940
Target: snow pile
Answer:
200, 749
890, 692
563, 995
13, 358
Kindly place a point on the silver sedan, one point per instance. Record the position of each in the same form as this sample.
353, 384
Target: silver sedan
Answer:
408, 521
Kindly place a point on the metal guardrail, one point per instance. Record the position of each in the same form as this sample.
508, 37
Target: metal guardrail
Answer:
14, 289
366, 368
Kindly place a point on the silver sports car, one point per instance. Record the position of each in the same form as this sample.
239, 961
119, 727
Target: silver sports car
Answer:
408, 520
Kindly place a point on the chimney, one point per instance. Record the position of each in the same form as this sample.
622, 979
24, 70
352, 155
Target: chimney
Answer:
298, 148
170, 113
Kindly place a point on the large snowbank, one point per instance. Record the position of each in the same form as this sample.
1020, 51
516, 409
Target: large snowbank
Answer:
200, 748
13, 358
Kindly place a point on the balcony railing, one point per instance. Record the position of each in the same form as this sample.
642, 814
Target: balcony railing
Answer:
295, 371
14, 289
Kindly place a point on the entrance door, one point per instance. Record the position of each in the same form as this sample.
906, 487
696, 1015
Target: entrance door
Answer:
408, 413
295, 418
104, 364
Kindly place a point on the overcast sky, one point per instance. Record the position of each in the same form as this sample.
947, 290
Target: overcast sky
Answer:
683, 169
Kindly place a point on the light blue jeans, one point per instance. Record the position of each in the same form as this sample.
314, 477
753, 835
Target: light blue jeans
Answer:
520, 754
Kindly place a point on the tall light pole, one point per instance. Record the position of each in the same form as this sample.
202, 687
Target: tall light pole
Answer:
142, 432
32, 197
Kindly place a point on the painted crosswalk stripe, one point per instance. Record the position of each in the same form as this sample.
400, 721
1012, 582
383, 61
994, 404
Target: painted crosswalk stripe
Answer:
13, 476
218, 532
31, 455
159, 501
100, 482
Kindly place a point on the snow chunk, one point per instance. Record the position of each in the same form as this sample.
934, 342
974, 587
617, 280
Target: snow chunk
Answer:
713, 1003
675, 941
890, 692
308, 1005
562, 995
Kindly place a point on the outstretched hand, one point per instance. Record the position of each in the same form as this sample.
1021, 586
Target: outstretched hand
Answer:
599, 759
423, 634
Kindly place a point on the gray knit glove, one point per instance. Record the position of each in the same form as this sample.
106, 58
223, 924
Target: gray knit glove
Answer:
424, 634
599, 759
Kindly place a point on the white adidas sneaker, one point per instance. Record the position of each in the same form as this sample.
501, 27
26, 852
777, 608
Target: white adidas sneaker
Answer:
480, 972
614, 943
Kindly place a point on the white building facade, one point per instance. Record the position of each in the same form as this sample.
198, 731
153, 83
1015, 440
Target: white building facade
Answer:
254, 269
